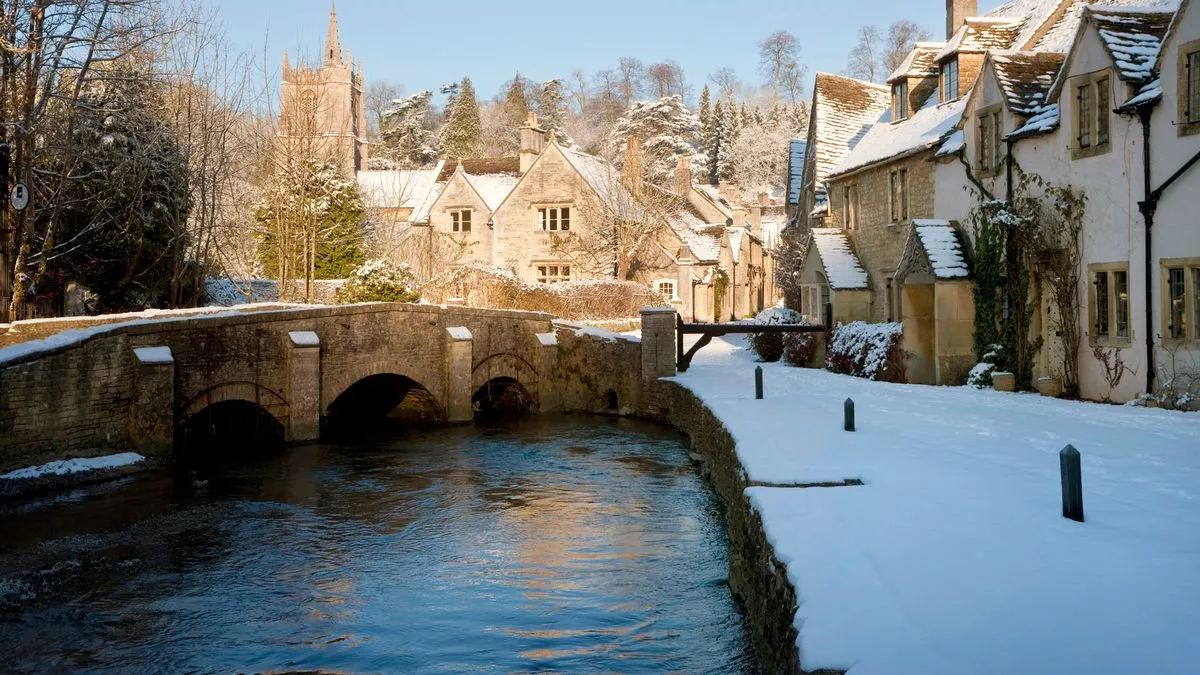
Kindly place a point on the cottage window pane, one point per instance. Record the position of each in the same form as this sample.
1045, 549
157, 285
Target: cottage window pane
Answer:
1175, 285
566, 271
1084, 122
466, 221
904, 194
1102, 304
564, 219
454, 221
985, 140
1102, 112
997, 155
1121, 302
1193, 87
543, 221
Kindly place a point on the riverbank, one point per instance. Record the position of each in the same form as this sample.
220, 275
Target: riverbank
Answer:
952, 555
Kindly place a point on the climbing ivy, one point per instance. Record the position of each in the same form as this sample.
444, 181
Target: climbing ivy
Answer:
720, 285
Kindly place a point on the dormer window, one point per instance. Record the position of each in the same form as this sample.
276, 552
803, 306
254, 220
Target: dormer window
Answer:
950, 80
1093, 111
900, 100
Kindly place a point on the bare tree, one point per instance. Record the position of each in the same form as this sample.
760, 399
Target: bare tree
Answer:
778, 52
579, 89
863, 61
632, 79
901, 38
667, 79
378, 100
727, 81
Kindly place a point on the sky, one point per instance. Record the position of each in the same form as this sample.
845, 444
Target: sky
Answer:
422, 45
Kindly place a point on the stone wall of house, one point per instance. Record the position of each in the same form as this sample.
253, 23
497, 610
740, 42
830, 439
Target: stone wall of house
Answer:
877, 240
519, 242
458, 194
955, 311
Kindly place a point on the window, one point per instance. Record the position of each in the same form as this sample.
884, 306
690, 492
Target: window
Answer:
554, 218
1121, 302
950, 80
1192, 70
990, 142
666, 288
900, 100
898, 182
850, 207
552, 273
1093, 114
460, 220
1176, 298
1108, 301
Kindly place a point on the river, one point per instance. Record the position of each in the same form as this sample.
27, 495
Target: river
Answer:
547, 544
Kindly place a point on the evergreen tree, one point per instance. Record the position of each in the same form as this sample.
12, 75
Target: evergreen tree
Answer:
552, 107
732, 129
714, 141
404, 138
667, 130
450, 89
705, 107
461, 135
516, 104
708, 134
757, 116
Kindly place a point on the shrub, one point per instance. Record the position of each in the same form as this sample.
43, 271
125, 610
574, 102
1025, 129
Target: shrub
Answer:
799, 348
871, 350
769, 346
594, 299
980, 376
379, 281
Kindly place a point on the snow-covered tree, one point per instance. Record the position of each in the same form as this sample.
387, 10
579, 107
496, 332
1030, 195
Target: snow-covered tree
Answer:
380, 281
404, 138
667, 130
460, 136
552, 109
514, 102
758, 157
729, 126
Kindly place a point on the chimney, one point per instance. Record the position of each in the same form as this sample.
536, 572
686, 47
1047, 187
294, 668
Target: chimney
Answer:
957, 12
631, 172
756, 214
533, 141
683, 176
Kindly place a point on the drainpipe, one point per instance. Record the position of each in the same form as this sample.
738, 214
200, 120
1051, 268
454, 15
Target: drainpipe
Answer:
1148, 206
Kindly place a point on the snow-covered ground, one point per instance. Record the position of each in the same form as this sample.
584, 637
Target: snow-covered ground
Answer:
954, 557
72, 466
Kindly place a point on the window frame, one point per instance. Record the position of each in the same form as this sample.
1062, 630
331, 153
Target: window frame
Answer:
1092, 114
552, 271
561, 220
674, 297
950, 80
1114, 306
900, 101
898, 195
457, 220
1188, 86
1190, 299
988, 140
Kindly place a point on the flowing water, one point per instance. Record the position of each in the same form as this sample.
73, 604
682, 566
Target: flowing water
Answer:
549, 544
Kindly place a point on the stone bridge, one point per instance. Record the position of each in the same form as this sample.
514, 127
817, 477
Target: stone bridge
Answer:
139, 385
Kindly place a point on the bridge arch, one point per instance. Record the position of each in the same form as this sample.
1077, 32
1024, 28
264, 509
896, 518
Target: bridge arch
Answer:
506, 366
379, 396
232, 417
502, 394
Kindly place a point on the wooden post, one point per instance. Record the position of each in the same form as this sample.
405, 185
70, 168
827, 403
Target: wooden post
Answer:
1072, 483
849, 415
758, 387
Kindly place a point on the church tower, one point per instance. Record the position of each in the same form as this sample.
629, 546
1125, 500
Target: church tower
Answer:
322, 107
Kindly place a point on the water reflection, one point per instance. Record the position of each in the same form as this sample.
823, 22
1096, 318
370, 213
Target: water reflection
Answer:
514, 550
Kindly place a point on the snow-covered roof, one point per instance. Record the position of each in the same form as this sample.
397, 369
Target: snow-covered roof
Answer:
844, 111
1060, 34
493, 188
713, 193
842, 268
1043, 120
602, 177
952, 145
943, 247
735, 242
1150, 92
696, 234
982, 33
1026, 78
920, 62
928, 127
414, 189
1133, 37
796, 155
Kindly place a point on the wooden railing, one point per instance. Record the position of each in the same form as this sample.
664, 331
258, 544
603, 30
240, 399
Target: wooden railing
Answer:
708, 331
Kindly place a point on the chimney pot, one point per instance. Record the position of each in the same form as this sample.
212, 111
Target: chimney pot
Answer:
957, 12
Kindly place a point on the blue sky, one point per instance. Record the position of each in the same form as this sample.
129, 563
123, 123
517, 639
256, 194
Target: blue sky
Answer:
421, 45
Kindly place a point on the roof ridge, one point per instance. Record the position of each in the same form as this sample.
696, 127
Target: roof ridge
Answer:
881, 87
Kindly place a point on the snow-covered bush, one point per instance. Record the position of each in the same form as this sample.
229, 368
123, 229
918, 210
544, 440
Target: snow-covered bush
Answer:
980, 376
769, 346
871, 350
380, 281
800, 348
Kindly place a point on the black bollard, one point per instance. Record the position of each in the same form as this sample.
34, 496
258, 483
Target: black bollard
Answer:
758, 382
1072, 483
849, 414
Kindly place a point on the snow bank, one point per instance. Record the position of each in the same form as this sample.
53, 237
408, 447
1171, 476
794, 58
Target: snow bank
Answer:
591, 331
71, 466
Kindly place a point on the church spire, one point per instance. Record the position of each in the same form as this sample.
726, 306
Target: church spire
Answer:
333, 41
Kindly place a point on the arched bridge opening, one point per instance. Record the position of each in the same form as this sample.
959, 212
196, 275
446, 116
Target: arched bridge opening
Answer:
225, 432
384, 400
501, 395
